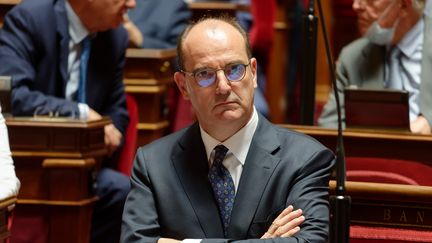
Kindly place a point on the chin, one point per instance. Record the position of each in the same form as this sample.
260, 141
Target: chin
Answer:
231, 115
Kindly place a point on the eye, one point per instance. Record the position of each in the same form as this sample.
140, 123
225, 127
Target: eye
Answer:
235, 72
205, 77
204, 74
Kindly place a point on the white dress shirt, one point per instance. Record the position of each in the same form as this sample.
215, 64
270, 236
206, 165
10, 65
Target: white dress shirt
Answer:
411, 48
77, 33
238, 148
9, 183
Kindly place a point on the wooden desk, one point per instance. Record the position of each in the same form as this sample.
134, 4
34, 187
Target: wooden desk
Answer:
390, 205
200, 9
56, 161
4, 214
148, 78
374, 143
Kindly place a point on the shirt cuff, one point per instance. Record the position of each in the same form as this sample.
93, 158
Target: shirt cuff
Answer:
83, 111
191, 241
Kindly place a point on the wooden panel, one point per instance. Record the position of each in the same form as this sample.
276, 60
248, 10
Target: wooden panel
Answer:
4, 215
390, 205
278, 61
56, 160
148, 78
374, 143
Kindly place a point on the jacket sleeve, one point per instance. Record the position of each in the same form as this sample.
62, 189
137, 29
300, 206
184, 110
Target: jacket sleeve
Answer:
22, 46
158, 30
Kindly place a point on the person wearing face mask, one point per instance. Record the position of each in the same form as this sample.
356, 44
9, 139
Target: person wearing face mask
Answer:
392, 54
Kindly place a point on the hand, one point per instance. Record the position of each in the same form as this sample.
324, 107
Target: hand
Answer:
167, 240
112, 138
420, 125
93, 115
390, 15
135, 36
286, 224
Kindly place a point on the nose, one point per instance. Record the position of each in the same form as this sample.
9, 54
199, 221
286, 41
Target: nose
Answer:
357, 5
223, 84
130, 3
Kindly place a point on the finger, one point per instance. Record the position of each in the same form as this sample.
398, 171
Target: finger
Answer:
289, 226
291, 232
266, 235
289, 217
275, 225
286, 211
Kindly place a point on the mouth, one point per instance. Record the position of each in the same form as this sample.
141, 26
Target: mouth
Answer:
225, 103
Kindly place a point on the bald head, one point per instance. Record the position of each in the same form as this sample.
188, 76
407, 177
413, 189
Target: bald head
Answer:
215, 30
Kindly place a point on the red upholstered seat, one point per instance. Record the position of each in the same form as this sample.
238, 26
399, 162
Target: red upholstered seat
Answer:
388, 171
127, 154
364, 234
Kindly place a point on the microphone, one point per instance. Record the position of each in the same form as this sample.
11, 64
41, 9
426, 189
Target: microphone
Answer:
340, 204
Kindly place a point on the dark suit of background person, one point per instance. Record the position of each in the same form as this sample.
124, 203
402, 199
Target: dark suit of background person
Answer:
361, 63
171, 196
160, 21
34, 47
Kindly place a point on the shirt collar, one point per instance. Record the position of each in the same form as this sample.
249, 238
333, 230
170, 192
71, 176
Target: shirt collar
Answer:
412, 39
77, 30
238, 144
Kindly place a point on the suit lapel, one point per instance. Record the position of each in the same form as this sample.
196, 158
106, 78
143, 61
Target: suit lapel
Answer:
63, 36
259, 166
190, 163
373, 75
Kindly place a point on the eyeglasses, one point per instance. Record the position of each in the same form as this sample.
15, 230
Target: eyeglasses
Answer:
207, 76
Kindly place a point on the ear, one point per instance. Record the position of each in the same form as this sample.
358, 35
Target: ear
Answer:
254, 70
180, 80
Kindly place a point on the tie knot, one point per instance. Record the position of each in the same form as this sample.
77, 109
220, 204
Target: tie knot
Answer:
220, 152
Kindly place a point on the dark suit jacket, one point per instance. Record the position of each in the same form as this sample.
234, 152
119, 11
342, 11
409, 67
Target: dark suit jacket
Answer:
362, 63
34, 51
171, 195
160, 21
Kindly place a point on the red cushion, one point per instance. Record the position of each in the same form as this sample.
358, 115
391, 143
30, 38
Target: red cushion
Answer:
29, 225
127, 154
360, 234
388, 171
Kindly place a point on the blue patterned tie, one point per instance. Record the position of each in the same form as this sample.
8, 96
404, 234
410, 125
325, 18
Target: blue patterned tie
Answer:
223, 186
85, 54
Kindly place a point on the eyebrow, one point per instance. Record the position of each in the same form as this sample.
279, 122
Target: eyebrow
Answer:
210, 68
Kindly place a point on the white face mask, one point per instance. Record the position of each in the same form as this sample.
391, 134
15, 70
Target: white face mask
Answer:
380, 36
384, 36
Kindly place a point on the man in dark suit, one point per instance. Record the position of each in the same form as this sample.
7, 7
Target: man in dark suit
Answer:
248, 187
42, 48
150, 27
